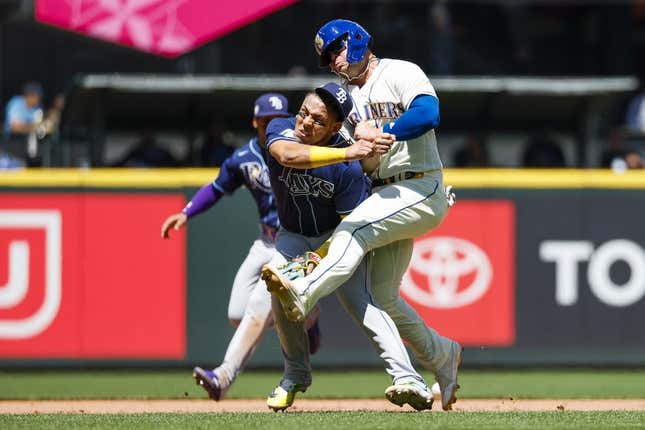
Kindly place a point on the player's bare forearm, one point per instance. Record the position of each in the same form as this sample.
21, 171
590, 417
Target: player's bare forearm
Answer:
20, 127
300, 156
370, 164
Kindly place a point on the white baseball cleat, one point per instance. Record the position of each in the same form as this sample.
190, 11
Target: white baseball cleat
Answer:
412, 394
436, 391
290, 299
446, 376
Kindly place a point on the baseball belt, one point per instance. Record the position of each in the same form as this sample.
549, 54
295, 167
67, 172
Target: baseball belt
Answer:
396, 178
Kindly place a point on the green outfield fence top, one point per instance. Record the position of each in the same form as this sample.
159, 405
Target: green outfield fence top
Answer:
460, 178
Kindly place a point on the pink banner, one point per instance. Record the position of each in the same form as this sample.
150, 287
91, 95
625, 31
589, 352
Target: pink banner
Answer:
163, 27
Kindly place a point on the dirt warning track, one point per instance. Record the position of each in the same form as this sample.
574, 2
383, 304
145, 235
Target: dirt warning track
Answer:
304, 405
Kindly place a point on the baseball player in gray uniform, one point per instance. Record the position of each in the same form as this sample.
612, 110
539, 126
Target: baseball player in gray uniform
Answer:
394, 104
250, 313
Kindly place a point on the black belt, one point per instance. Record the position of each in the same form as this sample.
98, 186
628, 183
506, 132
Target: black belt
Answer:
396, 178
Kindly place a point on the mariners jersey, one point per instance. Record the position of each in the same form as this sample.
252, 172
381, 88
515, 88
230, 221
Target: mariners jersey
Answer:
247, 166
310, 201
385, 96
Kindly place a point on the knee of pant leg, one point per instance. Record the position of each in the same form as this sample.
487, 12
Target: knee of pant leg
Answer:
349, 232
385, 298
235, 322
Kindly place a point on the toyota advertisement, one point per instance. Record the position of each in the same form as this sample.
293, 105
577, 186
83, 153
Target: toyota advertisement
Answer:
461, 276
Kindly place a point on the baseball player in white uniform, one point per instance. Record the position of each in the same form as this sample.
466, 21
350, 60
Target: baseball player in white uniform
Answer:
395, 105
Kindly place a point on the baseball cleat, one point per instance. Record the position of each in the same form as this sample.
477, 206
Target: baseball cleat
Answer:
446, 376
410, 393
436, 391
209, 382
280, 399
285, 292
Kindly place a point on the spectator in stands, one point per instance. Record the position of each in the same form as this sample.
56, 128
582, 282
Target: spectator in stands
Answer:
147, 153
23, 125
633, 159
23, 112
472, 153
620, 155
616, 151
543, 150
214, 151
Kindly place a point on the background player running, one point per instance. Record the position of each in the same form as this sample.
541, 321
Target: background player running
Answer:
250, 314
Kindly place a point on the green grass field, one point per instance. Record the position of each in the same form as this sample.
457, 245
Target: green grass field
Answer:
360, 384
133, 384
335, 420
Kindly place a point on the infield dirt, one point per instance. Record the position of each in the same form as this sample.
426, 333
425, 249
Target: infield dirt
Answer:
305, 405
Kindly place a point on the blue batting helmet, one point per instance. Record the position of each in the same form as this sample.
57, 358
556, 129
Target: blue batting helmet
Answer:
356, 38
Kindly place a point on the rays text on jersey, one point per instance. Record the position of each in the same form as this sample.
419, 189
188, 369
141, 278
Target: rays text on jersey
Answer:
301, 184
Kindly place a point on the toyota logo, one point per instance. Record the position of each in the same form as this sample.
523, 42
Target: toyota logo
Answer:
446, 272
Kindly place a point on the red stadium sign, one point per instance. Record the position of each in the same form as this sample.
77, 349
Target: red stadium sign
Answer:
87, 276
461, 276
164, 27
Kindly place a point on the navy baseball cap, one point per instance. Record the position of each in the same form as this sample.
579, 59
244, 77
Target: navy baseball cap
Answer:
271, 104
32, 88
340, 96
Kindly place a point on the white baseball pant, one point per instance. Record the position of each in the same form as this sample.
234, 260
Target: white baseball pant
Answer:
357, 300
386, 223
249, 310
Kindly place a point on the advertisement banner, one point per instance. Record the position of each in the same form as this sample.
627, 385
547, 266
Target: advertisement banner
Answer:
461, 278
87, 276
581, 272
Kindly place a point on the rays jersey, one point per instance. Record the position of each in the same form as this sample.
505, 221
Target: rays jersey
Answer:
385, 96
247, 166
311, 201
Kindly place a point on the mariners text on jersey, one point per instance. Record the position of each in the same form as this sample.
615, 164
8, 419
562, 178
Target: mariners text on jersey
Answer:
376, 110
247, 166
310, 201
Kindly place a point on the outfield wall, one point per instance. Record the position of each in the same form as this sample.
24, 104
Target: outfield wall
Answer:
529, 268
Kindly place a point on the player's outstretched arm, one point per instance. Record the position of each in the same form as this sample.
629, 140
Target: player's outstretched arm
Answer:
301, 156
175, 221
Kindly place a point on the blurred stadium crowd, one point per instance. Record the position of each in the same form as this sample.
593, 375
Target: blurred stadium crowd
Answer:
40, 64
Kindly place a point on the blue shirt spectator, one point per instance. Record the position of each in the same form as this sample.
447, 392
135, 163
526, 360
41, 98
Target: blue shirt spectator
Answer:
23, 111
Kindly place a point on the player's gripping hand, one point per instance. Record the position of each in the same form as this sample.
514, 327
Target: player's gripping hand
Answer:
360, 149
175, 221
382, 141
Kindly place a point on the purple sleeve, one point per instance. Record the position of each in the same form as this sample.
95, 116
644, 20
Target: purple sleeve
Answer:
204, 199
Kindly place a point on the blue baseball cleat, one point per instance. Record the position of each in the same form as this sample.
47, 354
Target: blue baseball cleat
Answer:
209, 382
